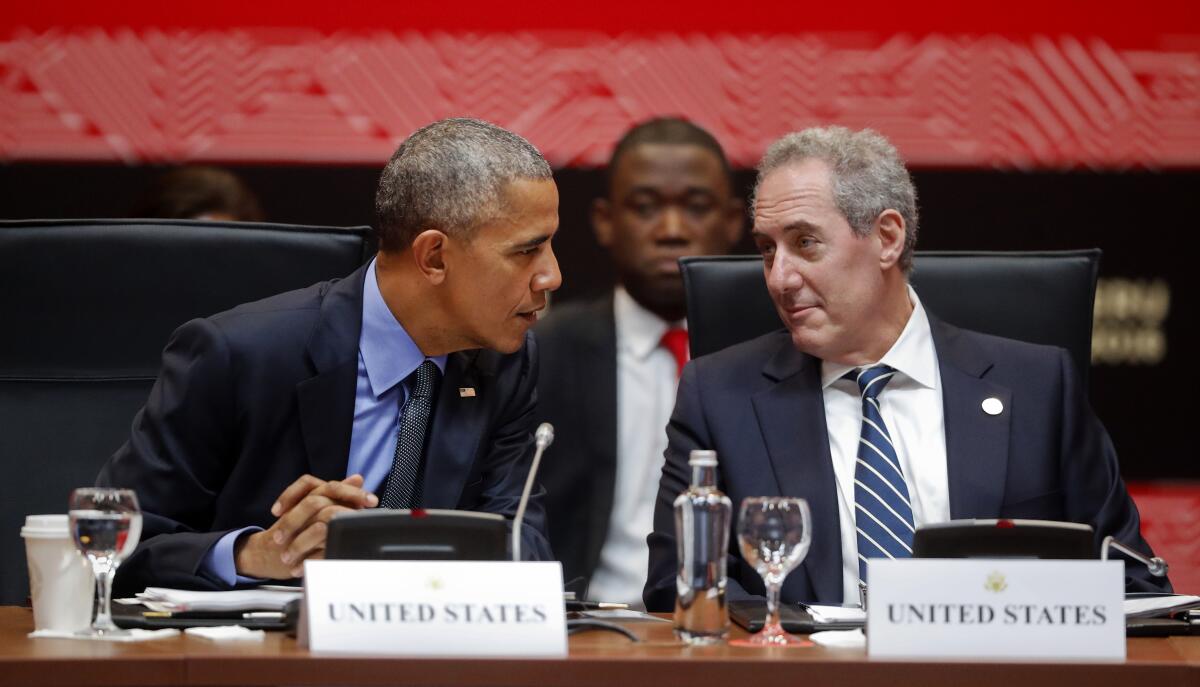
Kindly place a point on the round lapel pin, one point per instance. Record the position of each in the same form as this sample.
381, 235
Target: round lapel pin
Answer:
992, 406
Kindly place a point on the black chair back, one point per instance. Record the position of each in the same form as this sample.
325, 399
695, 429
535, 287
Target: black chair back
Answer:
87, 306
1040, 297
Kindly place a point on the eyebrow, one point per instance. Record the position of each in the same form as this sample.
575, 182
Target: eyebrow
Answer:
531, 243
798, 225
687, 191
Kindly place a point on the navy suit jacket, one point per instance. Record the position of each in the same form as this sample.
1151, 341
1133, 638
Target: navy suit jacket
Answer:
759, 405
249, 400
577, 393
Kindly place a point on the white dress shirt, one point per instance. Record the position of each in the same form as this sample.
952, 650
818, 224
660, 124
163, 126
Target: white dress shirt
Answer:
646, 385
911, 405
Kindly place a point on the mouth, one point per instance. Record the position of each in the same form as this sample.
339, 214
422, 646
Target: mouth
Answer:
666, 266
531, 316
795, 312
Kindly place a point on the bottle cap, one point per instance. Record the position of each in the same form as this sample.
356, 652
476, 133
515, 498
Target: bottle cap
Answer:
702, 459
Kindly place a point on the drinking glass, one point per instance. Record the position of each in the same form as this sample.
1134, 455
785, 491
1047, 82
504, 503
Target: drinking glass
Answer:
106, 525
774, 534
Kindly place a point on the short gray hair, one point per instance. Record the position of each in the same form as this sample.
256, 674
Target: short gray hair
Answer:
451, 176
867, 176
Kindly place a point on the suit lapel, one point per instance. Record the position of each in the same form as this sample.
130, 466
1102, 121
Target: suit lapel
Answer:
326, 400
976, 442
457, 426
791, 417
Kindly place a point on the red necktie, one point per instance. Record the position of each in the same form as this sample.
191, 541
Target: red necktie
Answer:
676, 341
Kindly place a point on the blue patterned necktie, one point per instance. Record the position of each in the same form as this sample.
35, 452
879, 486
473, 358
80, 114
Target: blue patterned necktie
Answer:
883, 517
403, 488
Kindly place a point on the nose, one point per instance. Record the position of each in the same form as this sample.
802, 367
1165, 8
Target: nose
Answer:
547, 277
672, 225
783, 275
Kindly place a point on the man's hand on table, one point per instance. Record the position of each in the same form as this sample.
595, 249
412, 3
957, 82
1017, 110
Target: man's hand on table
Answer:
303, 509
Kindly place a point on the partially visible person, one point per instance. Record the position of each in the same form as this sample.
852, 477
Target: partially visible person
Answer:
879, 414
610, 366
410, 383
196, 192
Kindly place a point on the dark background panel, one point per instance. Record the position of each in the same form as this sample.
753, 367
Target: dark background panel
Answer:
1141, 220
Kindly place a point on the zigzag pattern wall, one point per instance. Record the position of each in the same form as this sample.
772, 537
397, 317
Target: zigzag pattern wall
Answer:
308, 97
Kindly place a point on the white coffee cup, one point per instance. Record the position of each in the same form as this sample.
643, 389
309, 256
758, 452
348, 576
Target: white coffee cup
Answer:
60, 579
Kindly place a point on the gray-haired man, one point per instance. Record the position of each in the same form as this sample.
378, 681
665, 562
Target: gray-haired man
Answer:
882, 416
411, 383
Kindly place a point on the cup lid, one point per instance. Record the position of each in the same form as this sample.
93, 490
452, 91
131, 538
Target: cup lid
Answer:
45, 526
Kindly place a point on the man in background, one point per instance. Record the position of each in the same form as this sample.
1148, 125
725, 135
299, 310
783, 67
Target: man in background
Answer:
197, 192
610, 366
881, 416
409, 384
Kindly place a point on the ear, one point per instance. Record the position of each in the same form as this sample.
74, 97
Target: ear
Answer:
602, 221
892, 233
429, 255
735, 221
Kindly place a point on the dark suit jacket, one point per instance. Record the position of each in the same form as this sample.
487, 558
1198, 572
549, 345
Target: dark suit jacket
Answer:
759, 405
577, 393
250, 399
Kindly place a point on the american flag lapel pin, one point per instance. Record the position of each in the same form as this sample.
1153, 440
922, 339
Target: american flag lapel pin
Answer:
466, 392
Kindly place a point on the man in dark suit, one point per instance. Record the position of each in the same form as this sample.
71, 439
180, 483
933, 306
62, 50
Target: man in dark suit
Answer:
411, 382
881, 416
610, 366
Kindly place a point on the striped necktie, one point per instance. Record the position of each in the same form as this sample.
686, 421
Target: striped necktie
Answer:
403, 488
883, 517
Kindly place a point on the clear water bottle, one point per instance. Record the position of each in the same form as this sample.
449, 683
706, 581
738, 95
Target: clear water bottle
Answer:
702, 516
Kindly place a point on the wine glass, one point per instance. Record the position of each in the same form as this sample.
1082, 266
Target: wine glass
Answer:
106, 525
774, 534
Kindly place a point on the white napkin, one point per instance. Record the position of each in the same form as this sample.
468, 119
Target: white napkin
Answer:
227, 633
133, 636
840, 639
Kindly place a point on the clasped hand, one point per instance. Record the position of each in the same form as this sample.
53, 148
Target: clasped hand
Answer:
303, 512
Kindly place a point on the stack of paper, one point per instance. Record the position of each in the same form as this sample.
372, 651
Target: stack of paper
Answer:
839, 615
1158, 605
178, 600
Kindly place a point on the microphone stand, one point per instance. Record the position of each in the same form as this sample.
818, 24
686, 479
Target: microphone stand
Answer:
542, 438
1156, 565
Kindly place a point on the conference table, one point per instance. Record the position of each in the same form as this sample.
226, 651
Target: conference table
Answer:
596, 658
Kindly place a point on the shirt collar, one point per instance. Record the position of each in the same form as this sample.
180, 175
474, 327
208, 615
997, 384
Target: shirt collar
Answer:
912, 354
388, 352
639, 331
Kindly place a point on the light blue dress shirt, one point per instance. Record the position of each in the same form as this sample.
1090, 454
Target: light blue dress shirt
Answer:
386, 356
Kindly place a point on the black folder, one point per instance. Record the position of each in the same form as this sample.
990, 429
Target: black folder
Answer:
131, 616
752, 614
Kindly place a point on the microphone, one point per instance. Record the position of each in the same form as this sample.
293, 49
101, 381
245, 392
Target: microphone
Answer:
543, 437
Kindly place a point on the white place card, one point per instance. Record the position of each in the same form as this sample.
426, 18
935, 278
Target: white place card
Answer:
995, 608
435, 608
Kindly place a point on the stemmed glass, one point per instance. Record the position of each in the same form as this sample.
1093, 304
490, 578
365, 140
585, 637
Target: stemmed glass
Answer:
106, 525
774, 534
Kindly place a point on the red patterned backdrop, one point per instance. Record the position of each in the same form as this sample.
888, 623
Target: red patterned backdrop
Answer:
1059, 86
1022, 85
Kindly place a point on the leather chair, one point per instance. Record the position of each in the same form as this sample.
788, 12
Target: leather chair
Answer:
1040, 297
86, 307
